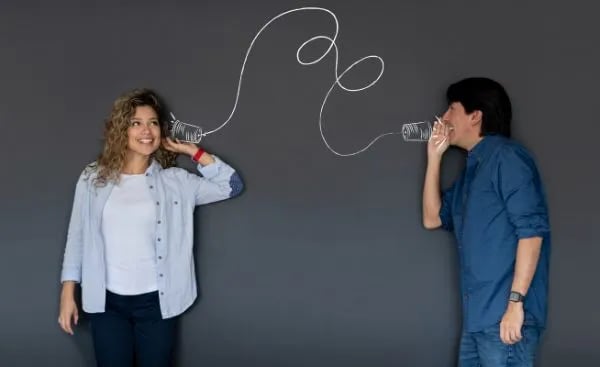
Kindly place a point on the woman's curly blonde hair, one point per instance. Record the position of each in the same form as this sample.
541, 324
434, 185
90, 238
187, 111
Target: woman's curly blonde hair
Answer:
110, 162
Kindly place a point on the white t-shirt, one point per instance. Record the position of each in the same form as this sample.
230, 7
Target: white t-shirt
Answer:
128, 226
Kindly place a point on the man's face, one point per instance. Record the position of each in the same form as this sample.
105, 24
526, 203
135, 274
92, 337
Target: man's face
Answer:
463, 127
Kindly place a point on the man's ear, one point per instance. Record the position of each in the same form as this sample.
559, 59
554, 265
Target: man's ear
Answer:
476, 117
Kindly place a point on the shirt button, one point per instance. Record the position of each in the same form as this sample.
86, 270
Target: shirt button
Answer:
162, 293
158, 239
151, 186
175, 203
160, 257
158, 221
161, 275
147, 174
157, 203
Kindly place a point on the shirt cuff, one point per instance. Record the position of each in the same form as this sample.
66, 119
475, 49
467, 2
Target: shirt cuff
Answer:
211, 170
70, 275
531, 232
532, 226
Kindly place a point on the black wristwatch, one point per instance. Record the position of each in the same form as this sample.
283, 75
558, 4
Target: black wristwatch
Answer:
516, 297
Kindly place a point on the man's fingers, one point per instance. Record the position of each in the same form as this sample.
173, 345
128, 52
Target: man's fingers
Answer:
503, 335
76, 317
510, 334
517, 335
507, 334
514, 335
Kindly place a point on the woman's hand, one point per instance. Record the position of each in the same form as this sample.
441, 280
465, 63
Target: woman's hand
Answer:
176, 146
187, 148
68, 308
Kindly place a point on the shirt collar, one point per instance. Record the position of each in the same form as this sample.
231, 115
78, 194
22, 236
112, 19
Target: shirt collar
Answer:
153, 168
484, 148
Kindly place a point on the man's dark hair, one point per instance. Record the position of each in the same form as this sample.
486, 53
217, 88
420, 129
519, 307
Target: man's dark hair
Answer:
487, 96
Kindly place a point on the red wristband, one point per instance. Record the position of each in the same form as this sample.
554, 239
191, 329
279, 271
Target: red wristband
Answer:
198, 154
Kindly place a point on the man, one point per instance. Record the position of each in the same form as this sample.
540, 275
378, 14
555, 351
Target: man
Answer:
497, 211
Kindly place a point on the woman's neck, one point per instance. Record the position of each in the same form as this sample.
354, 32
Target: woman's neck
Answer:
135, 165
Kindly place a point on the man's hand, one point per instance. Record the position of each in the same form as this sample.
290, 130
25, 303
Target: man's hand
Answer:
438, 141
512, 322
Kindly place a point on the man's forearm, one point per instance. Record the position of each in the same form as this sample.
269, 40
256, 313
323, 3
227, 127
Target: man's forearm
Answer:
431, 195
528, 253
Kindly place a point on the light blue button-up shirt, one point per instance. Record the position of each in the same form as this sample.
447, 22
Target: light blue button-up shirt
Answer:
176, 193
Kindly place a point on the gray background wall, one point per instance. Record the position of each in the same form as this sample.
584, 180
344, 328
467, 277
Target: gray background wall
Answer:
322, 261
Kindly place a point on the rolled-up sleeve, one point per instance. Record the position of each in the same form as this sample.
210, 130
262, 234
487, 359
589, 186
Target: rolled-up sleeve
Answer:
522, 192
219, 181
446, 208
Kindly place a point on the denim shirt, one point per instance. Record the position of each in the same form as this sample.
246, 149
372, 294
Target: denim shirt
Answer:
176, 193
498, 200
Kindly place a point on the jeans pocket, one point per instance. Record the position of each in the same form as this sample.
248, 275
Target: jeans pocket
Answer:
525, 350
492, 351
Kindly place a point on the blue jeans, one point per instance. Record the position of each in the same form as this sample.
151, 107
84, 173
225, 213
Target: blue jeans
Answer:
131, 329
486, 349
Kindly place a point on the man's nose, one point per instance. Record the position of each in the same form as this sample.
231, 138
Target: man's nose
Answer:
445, 116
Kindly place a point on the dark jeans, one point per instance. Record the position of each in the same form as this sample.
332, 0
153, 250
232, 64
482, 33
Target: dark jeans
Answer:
132, 330
486, 349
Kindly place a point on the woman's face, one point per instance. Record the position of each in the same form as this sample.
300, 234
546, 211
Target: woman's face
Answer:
143, 134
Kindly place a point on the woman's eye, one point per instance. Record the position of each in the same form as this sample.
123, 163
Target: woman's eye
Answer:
155, 123
134, 123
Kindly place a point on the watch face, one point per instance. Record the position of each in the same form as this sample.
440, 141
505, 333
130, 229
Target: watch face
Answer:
515, 297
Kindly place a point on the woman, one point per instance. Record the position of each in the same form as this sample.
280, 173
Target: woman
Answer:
130, 236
